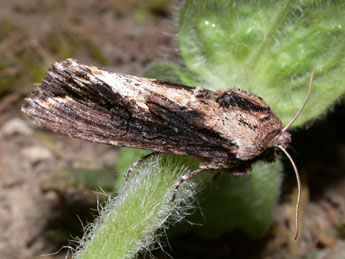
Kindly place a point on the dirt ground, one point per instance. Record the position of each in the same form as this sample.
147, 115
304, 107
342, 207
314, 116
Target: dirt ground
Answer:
38, 202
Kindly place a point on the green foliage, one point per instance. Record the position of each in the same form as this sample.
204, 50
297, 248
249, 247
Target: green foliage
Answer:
237, 202
29, 63
95, 52
170, 73
34, 70
62, 46
58, 235
269, 48
5, 28
156, 5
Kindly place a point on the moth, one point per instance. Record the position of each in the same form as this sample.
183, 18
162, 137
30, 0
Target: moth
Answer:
228, 129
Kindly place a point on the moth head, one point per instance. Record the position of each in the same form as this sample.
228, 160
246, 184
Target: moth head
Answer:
282, 139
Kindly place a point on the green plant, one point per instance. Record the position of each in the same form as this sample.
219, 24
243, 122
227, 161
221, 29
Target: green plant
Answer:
267, 47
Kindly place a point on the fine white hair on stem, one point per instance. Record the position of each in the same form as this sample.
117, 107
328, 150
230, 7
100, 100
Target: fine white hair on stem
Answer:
68, 248
298, 187
140, 214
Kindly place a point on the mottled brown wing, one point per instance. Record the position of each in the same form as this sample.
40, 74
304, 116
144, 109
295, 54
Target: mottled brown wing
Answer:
95, 105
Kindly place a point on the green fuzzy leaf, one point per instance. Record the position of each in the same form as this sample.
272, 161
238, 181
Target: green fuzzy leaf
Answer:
269, 48
242, 202
170, 73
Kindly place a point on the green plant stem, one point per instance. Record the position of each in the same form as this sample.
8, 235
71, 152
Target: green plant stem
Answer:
129, 222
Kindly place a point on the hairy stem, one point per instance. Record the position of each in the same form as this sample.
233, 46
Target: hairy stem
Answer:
129, 222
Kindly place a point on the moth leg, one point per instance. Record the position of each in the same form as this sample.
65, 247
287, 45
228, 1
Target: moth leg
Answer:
137, 163
189, 175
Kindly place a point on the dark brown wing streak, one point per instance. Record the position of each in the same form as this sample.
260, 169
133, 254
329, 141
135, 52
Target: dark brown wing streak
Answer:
72, 101
185, 130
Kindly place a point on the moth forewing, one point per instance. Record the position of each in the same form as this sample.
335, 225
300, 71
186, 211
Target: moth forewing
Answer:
231, 128
96, 105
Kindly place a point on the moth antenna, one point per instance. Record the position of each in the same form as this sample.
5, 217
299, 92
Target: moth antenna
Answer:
298, 187
304, 103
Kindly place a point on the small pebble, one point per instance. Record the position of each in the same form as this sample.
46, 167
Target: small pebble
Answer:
15, 126
36, 154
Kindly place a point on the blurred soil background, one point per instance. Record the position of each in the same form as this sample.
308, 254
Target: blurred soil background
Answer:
49, 183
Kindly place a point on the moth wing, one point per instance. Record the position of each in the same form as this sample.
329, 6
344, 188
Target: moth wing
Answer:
84, 102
